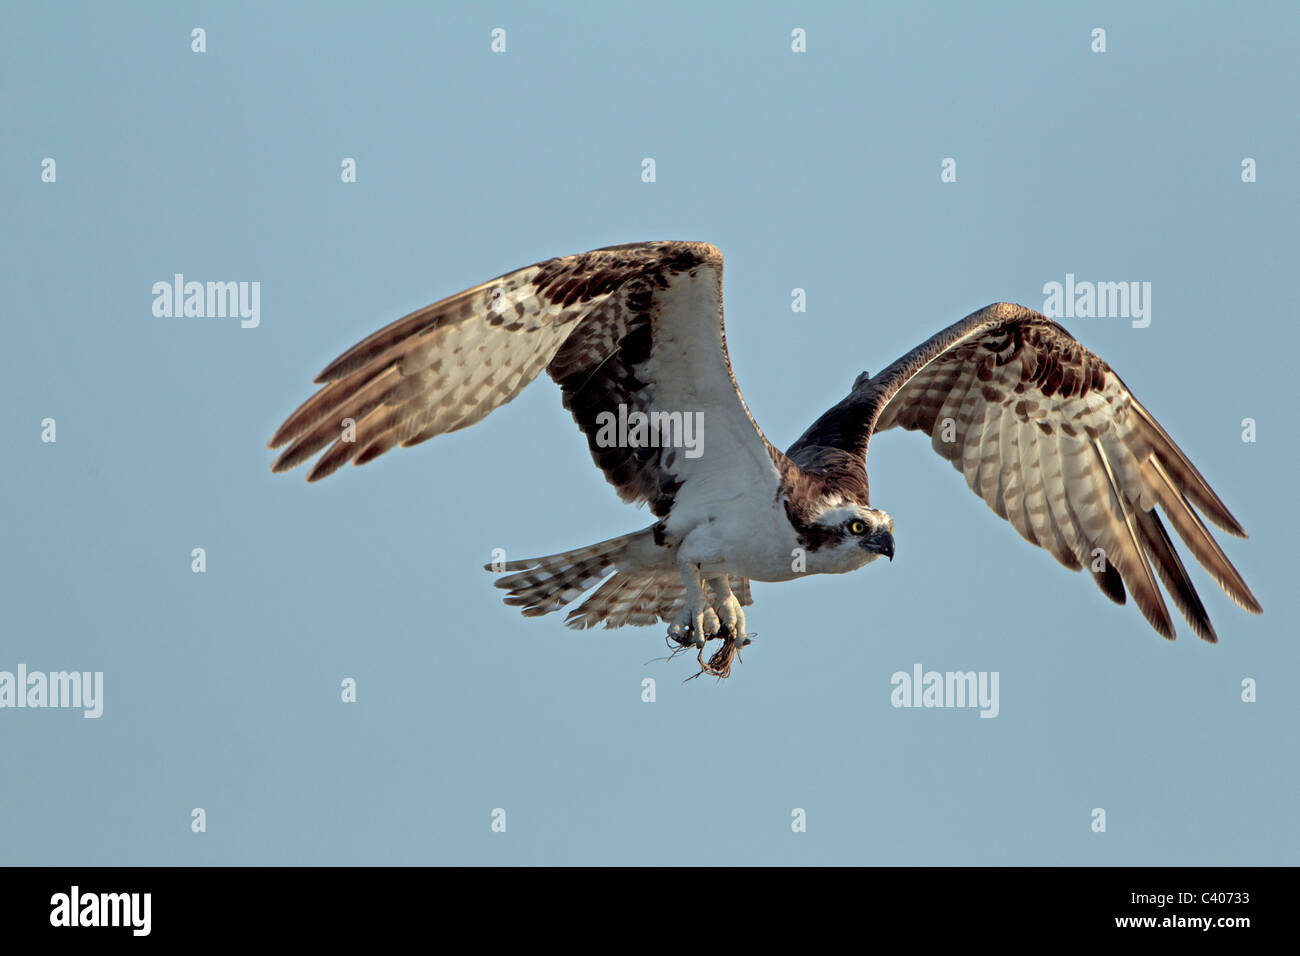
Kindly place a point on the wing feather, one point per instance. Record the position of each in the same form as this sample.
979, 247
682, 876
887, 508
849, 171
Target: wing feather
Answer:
636, 326
1127, 549
1056, 444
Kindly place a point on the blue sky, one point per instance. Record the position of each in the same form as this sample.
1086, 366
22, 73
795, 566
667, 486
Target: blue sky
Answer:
818, 171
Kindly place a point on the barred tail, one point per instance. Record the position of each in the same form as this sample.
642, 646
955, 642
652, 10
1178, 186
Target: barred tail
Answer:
635, 594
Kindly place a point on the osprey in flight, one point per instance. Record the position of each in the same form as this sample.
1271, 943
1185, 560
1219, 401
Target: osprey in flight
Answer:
1043, 430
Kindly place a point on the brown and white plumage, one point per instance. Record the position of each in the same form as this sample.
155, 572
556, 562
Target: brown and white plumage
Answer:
592, 321
1041, 428
1055, 443
632, 595
586, 319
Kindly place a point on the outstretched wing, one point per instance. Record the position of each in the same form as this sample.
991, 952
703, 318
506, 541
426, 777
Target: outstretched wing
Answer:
1054, 442
637, 326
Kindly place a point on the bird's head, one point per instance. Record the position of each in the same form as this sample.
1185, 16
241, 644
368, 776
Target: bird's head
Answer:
850, 536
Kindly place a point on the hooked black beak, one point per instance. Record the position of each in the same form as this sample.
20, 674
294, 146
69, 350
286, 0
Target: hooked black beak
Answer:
882, 542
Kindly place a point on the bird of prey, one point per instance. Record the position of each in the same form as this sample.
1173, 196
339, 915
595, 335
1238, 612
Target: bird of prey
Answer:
1041, 428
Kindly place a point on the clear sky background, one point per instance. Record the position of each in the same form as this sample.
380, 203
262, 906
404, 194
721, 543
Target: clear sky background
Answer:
819, 171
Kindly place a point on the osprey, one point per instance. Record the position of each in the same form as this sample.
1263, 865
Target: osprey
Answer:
1042, 429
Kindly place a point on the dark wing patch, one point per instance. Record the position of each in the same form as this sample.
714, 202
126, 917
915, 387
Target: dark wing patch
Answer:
1054, 442
590, 320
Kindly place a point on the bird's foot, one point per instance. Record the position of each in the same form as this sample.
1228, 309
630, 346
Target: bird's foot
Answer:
683, 635
731, 616
694, 629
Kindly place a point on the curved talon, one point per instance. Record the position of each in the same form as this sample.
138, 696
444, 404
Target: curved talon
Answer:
712, 625
720, 618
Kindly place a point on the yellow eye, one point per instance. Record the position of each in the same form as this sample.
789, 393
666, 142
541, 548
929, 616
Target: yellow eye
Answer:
857, 527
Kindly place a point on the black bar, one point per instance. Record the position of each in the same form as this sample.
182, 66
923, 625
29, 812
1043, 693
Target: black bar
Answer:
374, 904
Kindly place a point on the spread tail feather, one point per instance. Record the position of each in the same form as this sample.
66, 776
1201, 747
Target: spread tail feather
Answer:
542, 585
635, 594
